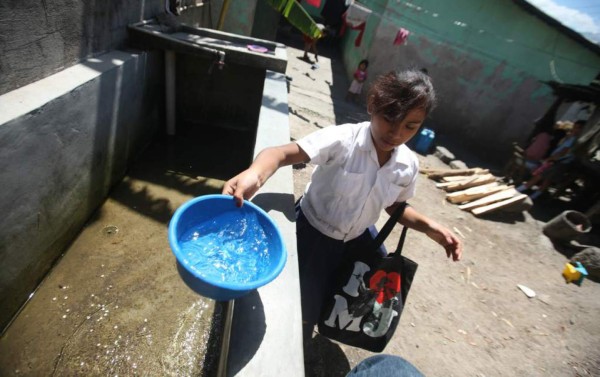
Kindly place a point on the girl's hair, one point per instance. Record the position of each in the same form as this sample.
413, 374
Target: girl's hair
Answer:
365, 62
394, 94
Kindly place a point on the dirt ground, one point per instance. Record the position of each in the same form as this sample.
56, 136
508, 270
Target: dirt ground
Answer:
464, 318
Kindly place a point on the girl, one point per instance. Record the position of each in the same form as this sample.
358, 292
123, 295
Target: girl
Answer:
360, 75
361, 169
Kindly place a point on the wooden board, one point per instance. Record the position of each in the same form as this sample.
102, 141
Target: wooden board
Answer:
453, 183
476, 181
495, 206
456, 178
474, 193
502, 195
437, 174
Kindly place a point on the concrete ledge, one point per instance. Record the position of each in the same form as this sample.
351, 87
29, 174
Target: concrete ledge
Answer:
268, 342
34, 96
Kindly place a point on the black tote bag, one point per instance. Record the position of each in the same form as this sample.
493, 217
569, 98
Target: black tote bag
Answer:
370, 293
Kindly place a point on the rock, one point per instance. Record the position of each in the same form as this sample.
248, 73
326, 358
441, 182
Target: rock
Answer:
590, 259
443, 154
458, 164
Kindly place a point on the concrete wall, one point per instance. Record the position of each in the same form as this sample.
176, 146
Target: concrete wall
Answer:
315, 12
69, 123
253, 18
266, 21
486, 59
64, 141
239, 17
39, 38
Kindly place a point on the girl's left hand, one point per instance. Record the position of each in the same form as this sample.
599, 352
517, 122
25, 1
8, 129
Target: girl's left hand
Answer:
448, 240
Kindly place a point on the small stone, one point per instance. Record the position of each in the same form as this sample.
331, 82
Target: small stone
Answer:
443, 154
458, 164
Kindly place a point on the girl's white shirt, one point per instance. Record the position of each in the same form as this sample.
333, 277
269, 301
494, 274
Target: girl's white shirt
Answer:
348, 189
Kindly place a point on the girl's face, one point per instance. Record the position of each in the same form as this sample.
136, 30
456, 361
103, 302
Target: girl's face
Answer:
362, 66
387, 136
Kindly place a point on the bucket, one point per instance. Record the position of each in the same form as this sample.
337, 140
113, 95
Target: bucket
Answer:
424, 141
215, 220
567, 226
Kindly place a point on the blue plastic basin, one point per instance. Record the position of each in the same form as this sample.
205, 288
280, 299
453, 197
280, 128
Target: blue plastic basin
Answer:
207, 208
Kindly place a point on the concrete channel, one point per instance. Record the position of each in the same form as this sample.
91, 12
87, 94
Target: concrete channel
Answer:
114, 303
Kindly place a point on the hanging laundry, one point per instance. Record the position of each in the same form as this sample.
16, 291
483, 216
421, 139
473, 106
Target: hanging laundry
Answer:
357, 14
401, 37
356, 18
314, 3
360, 27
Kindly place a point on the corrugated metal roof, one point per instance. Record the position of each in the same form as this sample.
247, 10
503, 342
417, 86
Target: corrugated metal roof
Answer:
558, 25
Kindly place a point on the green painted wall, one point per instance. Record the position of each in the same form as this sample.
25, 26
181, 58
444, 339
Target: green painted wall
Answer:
313, 11
239, 18
486, 58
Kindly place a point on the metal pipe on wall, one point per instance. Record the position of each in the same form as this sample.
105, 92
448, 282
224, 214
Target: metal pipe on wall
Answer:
170, 91
224, 9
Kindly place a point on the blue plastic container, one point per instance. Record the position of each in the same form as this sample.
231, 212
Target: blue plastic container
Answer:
424, 141
205, 208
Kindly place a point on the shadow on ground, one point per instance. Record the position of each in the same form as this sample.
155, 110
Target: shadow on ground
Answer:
344, 111
323, 358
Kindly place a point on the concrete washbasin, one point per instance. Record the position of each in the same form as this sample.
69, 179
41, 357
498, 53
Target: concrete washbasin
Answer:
132, 313
210, 43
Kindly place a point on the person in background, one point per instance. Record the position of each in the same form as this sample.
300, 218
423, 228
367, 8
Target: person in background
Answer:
360, 75
556, 165
310, 44
361, 169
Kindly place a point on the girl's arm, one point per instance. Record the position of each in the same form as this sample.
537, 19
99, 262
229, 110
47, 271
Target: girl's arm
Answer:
414, 220
245, 184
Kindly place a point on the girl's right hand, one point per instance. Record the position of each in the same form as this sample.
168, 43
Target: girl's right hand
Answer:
242, 186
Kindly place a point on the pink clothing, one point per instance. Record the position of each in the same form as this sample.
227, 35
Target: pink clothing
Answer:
357, 83
360, 75
538, 149
401, 36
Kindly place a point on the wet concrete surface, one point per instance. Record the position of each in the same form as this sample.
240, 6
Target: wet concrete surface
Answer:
115, 303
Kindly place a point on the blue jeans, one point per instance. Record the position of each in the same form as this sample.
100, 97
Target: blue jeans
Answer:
384, 366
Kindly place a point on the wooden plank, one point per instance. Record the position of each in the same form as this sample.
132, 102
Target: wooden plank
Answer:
437, 174
451, 183
473, 171
455, 178
498, 205
448, 171
474, 192
477, 181
502, 195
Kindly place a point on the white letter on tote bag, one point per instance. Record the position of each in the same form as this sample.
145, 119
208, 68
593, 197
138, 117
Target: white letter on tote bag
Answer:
340, 311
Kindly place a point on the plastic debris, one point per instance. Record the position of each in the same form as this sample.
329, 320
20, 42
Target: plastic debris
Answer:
528, 291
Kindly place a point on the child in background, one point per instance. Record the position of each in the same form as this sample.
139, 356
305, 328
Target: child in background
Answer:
361, 169
556, 165
360, 75
310, 44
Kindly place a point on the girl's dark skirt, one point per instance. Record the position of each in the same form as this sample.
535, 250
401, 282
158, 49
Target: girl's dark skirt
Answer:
318, 258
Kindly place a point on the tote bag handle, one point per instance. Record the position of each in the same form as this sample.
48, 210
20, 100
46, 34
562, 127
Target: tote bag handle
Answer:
387, 229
